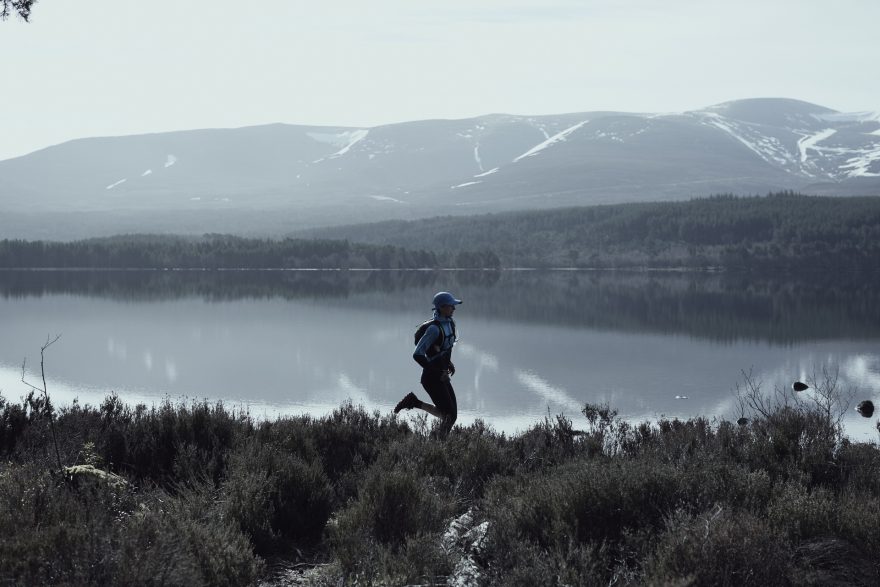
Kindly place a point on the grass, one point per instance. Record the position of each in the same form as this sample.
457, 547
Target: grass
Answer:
209, 496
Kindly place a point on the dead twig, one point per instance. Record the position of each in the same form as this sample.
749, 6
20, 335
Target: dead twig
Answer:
44, 390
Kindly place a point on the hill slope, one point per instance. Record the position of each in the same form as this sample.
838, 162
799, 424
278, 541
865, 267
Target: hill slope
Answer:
268, 178
781, 230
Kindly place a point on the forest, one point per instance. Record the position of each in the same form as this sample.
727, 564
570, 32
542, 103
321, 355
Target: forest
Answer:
213, 251
782, 231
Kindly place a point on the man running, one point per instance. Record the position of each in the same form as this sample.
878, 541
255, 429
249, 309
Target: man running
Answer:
434, 353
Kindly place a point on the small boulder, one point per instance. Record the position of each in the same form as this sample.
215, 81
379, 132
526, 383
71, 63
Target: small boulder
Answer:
77, 474
866, 408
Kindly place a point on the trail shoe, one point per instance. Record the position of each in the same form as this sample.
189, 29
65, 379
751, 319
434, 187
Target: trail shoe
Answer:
407, 403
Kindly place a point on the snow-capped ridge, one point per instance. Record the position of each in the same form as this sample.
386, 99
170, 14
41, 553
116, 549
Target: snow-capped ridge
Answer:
866, 116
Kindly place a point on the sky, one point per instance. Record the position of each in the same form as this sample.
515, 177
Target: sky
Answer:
117, 67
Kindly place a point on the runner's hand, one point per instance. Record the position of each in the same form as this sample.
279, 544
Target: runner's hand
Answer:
451, 368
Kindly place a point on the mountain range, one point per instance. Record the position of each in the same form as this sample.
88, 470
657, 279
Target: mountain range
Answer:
274, 178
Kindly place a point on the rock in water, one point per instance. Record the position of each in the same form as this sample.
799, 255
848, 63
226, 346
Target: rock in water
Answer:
798, 386
866, 408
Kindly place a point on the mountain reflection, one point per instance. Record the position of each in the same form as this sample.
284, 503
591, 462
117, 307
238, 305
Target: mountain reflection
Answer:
715, 306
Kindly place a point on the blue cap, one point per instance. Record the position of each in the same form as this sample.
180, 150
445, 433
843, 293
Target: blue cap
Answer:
444, 298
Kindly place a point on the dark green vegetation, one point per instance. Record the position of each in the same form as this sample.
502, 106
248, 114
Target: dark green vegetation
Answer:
212, 495
780, 231
209, 251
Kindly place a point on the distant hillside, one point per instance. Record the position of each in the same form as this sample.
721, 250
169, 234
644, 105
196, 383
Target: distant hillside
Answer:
207, 252
778, 231
276, 178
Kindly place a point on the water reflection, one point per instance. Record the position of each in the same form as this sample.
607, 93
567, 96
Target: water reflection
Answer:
720, 306
532, 343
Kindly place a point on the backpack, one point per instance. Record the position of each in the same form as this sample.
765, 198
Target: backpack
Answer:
420, 332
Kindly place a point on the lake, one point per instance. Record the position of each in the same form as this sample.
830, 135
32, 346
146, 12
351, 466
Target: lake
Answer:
532, 343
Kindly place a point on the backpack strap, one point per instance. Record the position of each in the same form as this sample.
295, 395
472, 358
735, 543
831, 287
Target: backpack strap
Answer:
442, 338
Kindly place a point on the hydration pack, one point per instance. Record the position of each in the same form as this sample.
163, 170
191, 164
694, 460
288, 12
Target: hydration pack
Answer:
438, 344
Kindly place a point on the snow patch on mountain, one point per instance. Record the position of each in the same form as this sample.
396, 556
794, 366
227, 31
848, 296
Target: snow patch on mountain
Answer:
477, 157
146, 173
170, 160
113, 185
848, 117
345, 140
337, 139
558, 137
766, 147
728, 126
810, 142
667, 114
490, 172
387, 199
860, 165
353, 138
607, 135
540, 126
465, 184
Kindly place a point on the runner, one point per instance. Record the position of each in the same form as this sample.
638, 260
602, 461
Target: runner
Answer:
434, 341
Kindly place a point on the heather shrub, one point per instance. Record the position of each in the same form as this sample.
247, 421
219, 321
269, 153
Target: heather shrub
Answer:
782, 500
702, 484
803, 513
858, 524
718, 547
170, 444
94, 533
465, 461
394, 508
549, 443
792, 443
577, 519
349, 440
272, 494
858, 467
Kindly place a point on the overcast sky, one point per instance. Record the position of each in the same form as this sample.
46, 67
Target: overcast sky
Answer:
114, 67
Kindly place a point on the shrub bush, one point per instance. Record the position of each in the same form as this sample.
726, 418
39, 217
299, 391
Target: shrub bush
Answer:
396, 511
94, 533
719, 547
209, 491
271, 494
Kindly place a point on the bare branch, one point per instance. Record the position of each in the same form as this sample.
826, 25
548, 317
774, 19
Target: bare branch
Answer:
20, 7
749, 395
823, 396
44, 390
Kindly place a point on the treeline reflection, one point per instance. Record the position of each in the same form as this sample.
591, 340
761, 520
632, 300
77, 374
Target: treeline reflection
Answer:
715, 306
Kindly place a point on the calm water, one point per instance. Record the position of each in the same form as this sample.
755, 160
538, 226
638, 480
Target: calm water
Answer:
531, 343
